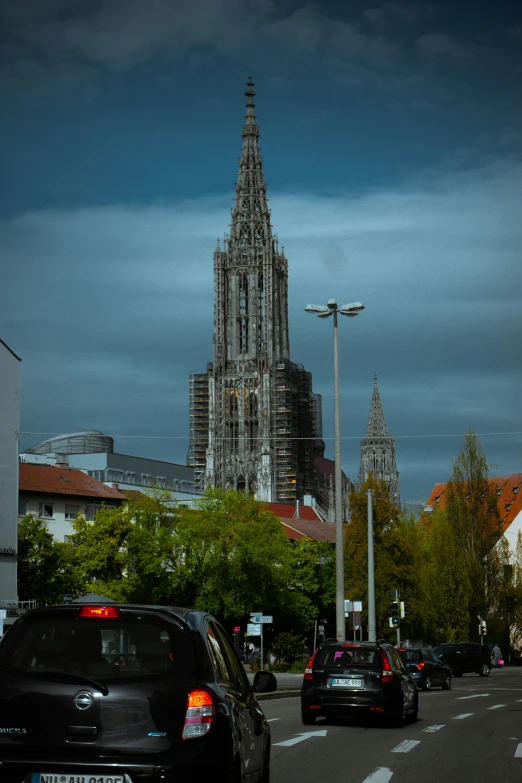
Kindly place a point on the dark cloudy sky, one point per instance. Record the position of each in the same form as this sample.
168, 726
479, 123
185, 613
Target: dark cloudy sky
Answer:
391, 136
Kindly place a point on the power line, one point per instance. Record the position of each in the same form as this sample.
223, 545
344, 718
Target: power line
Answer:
282, 438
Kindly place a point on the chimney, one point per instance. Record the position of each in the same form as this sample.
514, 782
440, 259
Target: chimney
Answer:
115, 486
61, 465
297, 514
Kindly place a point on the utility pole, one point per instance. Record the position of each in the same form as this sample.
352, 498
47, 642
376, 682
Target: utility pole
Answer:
372, 630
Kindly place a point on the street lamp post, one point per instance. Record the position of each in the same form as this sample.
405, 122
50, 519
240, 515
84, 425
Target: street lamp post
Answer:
325, 311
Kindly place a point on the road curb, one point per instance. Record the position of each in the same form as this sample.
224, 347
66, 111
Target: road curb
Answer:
277, 695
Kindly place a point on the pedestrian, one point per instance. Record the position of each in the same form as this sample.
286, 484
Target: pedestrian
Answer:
497, 654
403, 646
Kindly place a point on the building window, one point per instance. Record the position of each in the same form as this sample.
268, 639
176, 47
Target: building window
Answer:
162, 481
45, 511
282, 431
282, 474
71, 512
130, 477
280, 366
146, 479
90, 512
280, 388
281, 453
22, 507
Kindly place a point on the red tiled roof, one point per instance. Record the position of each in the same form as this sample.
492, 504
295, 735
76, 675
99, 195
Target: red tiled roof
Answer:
509, 492
304, 528
63, 481
287, 511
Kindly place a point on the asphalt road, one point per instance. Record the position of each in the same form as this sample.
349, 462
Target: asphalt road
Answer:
470, 734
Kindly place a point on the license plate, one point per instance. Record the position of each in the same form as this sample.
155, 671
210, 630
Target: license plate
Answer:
68, 777
344, 682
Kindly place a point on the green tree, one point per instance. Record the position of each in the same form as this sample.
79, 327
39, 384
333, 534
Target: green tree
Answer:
473, 514
394, 552
127, 552
41, 575
235, 554
310, 591
445, 585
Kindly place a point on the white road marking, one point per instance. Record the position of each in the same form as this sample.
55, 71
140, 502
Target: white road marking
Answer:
272, 719
496, 706
301, 738
432, 729
518, 752
464, 715
379, 775
405, 746
475, 696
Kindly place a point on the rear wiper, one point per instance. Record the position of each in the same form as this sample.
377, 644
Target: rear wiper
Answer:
70, 677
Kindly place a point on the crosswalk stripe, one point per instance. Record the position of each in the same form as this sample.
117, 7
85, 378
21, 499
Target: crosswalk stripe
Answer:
379, 775
405, 746
464, 715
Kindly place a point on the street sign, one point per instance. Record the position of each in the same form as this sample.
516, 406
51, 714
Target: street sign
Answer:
348, 606
262, 618
3, 614
357, 606
253, 629
237, 628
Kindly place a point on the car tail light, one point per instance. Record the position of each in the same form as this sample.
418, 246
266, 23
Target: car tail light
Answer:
387, 671
421, 665
315, 707
199, 716
308, 670
101, 612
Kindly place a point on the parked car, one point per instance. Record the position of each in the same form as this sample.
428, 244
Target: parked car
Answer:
426, 669
184, 709
465, 657
365, 678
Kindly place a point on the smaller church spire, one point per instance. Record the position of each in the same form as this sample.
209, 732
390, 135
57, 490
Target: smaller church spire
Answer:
376, 422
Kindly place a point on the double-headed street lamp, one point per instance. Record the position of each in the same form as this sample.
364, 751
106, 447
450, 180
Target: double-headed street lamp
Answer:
325, 311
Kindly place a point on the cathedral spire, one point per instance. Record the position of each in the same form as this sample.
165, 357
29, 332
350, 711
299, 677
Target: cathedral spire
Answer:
376, 422
251, 229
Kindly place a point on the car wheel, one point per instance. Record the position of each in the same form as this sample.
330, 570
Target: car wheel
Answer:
308, 718
413, 717
427, 684
484, 670
446, 685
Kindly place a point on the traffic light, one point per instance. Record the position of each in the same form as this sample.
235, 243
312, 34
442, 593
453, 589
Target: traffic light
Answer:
405, 609
393, 612
482, 628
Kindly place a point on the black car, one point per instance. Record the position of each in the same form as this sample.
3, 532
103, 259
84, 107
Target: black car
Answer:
426, 668
345, 679
464, 658
180, 709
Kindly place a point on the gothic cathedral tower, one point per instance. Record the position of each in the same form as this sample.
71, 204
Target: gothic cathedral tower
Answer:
254, 420
378, 450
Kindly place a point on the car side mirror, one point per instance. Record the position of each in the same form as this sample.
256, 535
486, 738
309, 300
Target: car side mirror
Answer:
264, 682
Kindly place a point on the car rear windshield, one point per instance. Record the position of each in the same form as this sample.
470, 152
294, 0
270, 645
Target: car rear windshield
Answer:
342, 656
410, 655
131, 648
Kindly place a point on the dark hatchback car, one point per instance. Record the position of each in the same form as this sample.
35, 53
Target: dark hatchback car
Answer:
426, 668
344, 679
180, 709
465, 658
